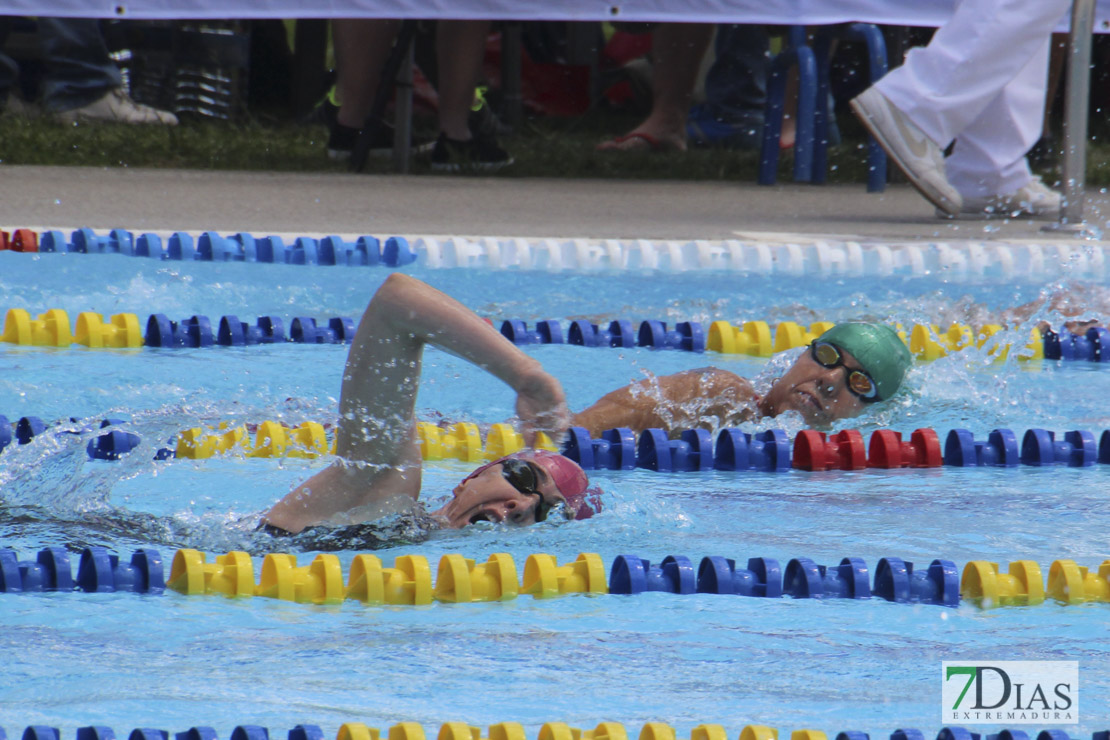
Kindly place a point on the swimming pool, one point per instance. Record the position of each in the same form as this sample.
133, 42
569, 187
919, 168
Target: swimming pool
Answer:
174, 662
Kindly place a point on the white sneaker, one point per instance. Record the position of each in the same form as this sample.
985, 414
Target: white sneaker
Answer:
919, 158
1032, 200
117, 106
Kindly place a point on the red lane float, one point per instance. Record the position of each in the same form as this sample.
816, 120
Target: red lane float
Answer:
844, 450
888, 450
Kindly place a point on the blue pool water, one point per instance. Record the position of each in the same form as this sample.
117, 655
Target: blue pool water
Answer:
123, 660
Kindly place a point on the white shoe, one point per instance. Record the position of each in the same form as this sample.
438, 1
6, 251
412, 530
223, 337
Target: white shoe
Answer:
117, 106
919, 158
1032, 200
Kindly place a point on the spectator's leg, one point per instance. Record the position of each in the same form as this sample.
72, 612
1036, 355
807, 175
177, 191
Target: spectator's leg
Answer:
460, 47
947, 85
989, 155
361, 47
81, 82
9, 70
78, 70
735, 90
677, 50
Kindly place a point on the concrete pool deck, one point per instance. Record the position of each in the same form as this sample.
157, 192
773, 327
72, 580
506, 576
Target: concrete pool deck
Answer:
193, 200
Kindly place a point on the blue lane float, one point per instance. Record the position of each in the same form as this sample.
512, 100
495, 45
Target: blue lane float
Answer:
718, 575
693, 451
235, 333
632, 575
1040, 447
687, 336
896, 580
211, 246
49, 571
1092, 345
546, 332
616, 450
196, 331
99, 571
999, 450
618, 334
110, 445
805, 579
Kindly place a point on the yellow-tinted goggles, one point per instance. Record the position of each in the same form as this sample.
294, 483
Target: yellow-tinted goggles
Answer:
859, 382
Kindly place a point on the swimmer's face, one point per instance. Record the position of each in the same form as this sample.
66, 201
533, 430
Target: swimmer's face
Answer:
495, 495
820, 394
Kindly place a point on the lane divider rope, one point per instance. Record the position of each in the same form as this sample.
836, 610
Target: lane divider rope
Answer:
694, 450
212, 247
463, 580
52, 328
515, 731
123, 331
825, 257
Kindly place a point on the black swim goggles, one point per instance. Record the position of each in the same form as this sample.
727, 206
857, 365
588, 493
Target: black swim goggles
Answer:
859, 382
524, 477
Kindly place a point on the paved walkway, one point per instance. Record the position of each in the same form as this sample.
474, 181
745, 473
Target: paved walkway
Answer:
164, 200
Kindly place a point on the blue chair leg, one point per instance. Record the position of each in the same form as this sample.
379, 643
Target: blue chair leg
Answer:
870, 35
877, 63
807, 104
800, 55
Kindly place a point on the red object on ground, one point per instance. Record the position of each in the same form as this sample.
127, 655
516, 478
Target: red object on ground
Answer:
488, 320
547, 89
23, 240
844, 450
887, 450
623, 47
3, 240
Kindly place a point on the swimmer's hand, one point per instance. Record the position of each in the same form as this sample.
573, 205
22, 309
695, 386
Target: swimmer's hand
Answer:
541, 406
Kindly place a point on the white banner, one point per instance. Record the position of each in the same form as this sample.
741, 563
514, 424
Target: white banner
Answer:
789, 12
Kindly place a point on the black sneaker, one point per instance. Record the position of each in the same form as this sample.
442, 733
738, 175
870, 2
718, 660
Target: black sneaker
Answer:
479, 154
341, 142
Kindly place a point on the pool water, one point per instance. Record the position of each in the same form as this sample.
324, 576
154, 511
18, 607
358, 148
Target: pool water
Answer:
173, 662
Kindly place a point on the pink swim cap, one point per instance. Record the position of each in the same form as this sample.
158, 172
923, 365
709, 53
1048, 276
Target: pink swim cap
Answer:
568, 476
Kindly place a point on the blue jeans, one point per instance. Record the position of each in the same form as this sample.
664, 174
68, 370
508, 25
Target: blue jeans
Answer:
77, 68
735, 91
736, 84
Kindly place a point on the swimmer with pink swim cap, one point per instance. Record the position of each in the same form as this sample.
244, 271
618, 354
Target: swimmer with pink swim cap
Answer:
378, 472
556, 483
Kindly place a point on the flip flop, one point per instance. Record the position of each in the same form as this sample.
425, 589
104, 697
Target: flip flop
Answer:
652, 144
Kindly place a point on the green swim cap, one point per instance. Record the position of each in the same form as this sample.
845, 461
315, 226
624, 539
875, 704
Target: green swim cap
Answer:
877, 349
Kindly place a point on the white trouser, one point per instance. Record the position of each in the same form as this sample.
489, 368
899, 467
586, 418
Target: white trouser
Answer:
981, 81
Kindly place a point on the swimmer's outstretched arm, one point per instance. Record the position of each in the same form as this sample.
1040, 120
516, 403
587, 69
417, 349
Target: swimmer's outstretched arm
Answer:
379, 472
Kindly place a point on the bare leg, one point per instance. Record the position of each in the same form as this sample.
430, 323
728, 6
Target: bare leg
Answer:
361, 47
460, 46
677, 50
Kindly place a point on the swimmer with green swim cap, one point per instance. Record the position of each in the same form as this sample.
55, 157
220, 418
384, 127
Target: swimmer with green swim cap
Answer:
843, 371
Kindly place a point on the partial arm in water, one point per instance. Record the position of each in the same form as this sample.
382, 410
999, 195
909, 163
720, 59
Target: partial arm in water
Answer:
680, 401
